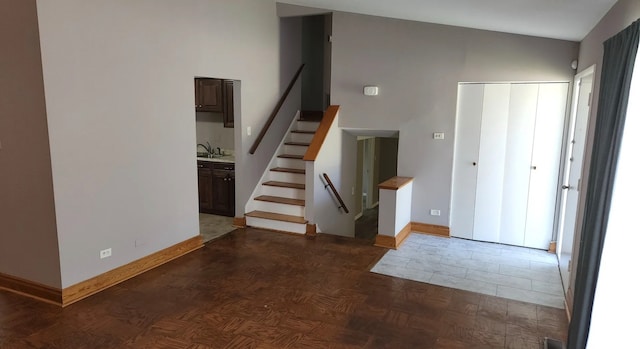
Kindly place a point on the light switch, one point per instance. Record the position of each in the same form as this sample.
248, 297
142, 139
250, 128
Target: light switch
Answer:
438, 135
248, 130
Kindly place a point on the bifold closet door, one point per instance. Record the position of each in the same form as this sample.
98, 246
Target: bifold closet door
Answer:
491, 162
522, 119
545, 164
463, 193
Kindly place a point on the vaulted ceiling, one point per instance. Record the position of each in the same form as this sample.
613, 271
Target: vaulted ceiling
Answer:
558, 19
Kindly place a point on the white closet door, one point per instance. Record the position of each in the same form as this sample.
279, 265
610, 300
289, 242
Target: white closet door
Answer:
463, 192
522, 117
491, 162
545, 164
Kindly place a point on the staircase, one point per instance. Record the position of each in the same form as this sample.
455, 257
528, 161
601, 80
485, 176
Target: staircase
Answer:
280, 201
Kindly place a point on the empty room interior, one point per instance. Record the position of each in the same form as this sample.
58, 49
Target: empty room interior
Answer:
367, 174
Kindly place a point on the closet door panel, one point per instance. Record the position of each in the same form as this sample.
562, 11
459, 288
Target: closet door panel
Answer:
545, 164
491, 162
522, 117
463, 191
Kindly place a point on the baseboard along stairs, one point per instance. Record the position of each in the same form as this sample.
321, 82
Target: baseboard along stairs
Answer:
279, 202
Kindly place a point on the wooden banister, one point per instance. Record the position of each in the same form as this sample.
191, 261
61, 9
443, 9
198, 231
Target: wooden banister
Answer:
321, 133
275, 111
335, 192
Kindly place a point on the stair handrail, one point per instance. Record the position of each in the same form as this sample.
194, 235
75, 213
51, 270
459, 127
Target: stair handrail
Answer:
335, 193
275, 111
321, 133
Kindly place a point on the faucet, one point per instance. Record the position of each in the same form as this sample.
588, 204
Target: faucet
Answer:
208, 148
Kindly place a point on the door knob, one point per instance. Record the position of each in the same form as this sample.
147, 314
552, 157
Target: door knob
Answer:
474, 163
565, 186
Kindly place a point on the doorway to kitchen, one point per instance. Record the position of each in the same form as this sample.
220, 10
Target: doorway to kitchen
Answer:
215, 106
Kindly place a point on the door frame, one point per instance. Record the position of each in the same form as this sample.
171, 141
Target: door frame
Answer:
566, 169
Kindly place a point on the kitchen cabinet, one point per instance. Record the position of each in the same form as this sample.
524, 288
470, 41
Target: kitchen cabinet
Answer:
506, 162
216, 188
205, 188
208, 94
227, 109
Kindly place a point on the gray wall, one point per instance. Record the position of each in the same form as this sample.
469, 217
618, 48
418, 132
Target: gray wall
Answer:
28, 237
417, 67
118, 80
621, 15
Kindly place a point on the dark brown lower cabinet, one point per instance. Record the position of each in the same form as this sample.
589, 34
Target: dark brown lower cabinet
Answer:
216, 188
205, 188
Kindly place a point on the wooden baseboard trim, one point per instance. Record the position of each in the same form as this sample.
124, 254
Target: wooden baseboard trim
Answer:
431, 229
568, 303
393, 241
311, 231
240, 222
552, 247
31, 289
113, 277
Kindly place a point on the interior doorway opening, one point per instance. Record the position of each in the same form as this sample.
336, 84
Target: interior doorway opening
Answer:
377, 161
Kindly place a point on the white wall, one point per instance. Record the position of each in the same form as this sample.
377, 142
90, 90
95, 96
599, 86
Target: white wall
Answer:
417, 67
613, 321
118, 79
337, 152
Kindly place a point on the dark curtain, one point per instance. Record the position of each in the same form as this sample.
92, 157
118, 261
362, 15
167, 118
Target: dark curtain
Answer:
617, 70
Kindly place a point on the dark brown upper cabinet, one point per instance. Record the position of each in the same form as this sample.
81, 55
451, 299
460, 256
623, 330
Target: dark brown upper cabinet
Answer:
227, 110
209, 94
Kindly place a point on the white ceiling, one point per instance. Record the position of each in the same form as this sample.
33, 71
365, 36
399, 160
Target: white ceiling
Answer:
558, 19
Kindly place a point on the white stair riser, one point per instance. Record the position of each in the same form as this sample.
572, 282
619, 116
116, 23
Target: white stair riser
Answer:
301, 137
282, 192
274, 207
295, 149
286, 177
299, 228
307, 126
291, 163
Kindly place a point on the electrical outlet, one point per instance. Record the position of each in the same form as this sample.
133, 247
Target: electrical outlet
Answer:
435, 212
438, 135
105, 253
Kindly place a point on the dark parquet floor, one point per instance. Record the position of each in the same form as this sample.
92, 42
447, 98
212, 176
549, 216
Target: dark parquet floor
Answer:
256, 289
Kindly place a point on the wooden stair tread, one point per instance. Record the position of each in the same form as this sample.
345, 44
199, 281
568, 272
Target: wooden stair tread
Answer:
286, 169
284, 184
280, 200
290, 156
277, 217
302, 144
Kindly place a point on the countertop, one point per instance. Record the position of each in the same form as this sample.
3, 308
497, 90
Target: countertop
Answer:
227, 158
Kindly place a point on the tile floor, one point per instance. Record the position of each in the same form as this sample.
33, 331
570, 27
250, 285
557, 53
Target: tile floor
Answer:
512, 272
214, 226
